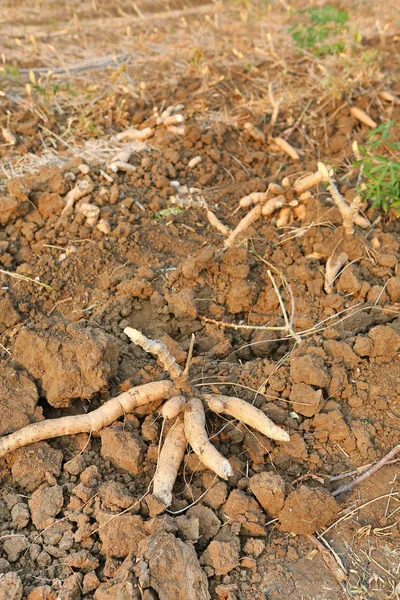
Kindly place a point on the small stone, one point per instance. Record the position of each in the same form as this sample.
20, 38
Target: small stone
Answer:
342, 352
348, 283
71, 588
181, 304
363, 346
305, 399
83, 491
121, 535
254, 546
90, 583
124, 449
115, 496
156, 506
386, 343
10, 587
82, 560
226, 592
188, 527
43, 560
170, 567
11, 499
269, 489
42, 592
387, 260
31, 464
14, 547
243, 509
76, 465
90, 476
393, 289
209, 523
221, 556
248, 563
20, 515
45, 504
309, 369
216, 495
4, 566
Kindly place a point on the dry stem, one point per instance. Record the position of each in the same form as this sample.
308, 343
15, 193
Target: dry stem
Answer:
348, 211
157, 349
384, 461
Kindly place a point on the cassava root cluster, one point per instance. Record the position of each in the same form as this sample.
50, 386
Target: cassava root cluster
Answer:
184, 416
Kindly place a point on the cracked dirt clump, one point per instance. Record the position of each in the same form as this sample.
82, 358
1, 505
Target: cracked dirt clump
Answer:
306, 510
88, 357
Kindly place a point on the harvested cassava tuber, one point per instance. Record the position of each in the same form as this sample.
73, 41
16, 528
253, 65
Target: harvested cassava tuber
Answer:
272, 205
196, 435
250, 218
93, 421
246, 413
169, 461
156, 348
173, 407
137, 135
306, 183
82, 188
8, 136
362, 116
286, 147
215, 222
91, 212
254, 132
254, 198
284, 217
333, 266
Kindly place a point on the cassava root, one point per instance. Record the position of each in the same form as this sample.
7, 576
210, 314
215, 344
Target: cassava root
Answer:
93, 421
184, 411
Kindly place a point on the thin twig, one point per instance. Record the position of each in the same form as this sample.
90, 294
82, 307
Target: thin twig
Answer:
355, 510
371, 471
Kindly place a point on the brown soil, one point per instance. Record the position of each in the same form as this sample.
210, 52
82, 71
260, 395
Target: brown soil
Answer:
75, 518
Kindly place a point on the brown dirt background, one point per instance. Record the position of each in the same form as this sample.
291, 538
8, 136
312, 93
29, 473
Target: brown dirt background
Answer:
64, 352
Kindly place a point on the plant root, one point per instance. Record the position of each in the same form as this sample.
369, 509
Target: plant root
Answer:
332, 269
286, 147
347, 211
244, 224
93, 421
157, 349
169, 461
196, 435
248, 414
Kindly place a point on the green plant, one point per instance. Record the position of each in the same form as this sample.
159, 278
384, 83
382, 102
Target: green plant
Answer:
379, 161
325, 24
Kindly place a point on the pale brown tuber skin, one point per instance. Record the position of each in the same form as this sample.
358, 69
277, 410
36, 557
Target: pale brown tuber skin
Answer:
189, 427
333, 266
286, 147
169, 461
246, 413
93, 421
173, 407
196, 435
